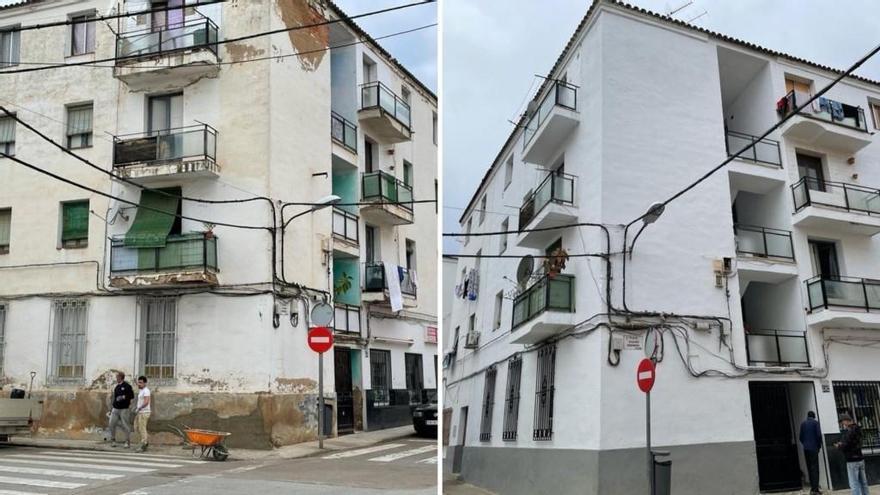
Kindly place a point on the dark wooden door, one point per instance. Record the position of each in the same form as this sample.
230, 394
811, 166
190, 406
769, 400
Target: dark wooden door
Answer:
344, 395
775, 444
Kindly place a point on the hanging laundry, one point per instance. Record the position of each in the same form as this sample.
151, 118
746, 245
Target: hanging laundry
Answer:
474, 276
836, 108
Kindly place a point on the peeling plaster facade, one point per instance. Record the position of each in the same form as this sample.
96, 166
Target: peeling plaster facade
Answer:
234, 369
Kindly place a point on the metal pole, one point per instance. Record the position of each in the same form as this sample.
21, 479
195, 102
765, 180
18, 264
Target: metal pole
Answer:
321, 400
648, 435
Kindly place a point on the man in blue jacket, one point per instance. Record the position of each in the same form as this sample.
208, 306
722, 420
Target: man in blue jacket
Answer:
811, 441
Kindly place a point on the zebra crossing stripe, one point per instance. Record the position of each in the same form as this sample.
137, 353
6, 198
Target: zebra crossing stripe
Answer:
59, 472
368, 450
133, 458
79, 465
429, 460
405, 453
102, 461
10, 480
16, 492
146, 457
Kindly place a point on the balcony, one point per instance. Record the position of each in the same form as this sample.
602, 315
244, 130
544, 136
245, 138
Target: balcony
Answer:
343, 133
391, 198
376, 285
347, 321
384, 114
544, 309
552, 122
825, 123
185, 260
777, 348
765, 254
345, 233
836, 207
174, 153
843, 302
550, 205
178, 54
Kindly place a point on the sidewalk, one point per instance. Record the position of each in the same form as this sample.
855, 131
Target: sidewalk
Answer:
454, 486
306, 449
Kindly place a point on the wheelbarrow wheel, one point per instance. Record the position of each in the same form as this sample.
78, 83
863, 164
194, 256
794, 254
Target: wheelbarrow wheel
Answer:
220, 453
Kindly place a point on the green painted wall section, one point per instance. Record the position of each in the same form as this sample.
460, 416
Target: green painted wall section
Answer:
355, 367
347, 269
345, 185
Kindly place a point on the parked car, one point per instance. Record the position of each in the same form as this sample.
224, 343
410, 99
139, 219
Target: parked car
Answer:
424, 416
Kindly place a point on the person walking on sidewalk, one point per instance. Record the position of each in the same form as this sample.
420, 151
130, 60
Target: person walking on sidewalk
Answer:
850, 445
143, 412
811, 441
120, 405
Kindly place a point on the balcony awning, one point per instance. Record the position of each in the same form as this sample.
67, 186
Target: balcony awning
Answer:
150, 228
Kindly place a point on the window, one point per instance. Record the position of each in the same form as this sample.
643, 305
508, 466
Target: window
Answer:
158, 337
499, 302
369, 68
380, 377
69, 345
455, 340
5, 229
482, 210
543, 428
511, 401
810, 170
7, 135
505, 225
407, 173
166, 112
467, 230
9, 47
82, 34
405, 95
824, 258
410, 254
875, 111
414, 377
75, 224
861, 400
488, 404
472, 322
79, 126
2, 338
369, 154
371, 236
508, 172
165, 19
434, 128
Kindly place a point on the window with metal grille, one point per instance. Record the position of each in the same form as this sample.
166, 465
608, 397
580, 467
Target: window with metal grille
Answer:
7, 134
79, 126
158, 337
69, 334
82, 34
861, 400
2, 339
380, 377
544, 390
488, 405
511, 401
75, 224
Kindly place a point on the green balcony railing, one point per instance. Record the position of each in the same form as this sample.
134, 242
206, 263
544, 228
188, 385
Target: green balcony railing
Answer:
181, 252
547, 294
384, 187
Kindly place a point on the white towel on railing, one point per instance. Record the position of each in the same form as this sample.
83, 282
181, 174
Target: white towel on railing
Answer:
392, 280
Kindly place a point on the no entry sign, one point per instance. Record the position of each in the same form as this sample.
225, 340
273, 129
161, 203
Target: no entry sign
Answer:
320, 339
645, 375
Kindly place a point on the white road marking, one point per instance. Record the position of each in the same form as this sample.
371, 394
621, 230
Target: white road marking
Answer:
11, 480
16, 492
59, 472
121, 456
103, 461
429, 460
406, 453
423, 440
124, 452
368, 450
79, 465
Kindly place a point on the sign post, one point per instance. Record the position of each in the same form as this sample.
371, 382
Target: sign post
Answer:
645, 375
320, 340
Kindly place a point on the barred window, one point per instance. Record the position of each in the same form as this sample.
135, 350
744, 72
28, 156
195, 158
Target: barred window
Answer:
380, 376
861, 400
511, 403
69, 344
158, 337
488, 405
2, 339
544, 393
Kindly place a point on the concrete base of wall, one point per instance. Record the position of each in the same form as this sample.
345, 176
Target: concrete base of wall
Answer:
718, 468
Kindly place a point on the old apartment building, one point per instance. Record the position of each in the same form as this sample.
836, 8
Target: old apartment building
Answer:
184, 109
757, 290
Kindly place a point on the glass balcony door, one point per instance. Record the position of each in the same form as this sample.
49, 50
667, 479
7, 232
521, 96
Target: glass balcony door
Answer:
165, 113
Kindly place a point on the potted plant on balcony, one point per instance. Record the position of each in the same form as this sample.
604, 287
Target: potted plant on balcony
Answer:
209, 230
555, 262
343, 284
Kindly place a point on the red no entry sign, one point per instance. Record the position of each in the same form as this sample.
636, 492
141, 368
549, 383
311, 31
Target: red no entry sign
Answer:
320, 339
645, 375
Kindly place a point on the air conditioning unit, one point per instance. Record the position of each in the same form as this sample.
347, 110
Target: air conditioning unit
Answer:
472, 340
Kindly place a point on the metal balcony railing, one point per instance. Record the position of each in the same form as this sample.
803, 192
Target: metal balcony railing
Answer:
844, 292
345, 225
343, 131
764, 151
347, 319
181, 252
198, 141
555, 294
777, 348
849, 197
556, 187
377, 95
189, 34
764, 242
385, 187
827, 110
560, 94
374, 278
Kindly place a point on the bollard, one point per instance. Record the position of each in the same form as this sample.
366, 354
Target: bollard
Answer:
662, 473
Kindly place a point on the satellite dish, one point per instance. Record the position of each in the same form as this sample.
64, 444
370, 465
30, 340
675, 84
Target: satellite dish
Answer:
322, 314
525, 269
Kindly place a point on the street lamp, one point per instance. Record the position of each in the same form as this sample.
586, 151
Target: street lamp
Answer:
650, 216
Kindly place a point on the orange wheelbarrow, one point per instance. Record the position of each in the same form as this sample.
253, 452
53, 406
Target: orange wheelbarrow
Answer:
210, 442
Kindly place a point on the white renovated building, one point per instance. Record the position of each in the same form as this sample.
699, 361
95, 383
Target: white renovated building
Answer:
758, 286
213, 304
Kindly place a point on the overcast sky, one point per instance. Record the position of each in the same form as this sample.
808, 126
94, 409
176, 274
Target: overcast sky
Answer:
493, 49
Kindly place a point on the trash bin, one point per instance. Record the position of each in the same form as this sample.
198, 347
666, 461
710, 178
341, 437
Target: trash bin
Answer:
328, 420
662, 474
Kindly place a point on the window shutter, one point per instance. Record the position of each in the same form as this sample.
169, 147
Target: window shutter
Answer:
75, 222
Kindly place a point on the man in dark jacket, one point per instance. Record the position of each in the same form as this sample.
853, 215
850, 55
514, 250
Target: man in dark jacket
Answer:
811, 441
120, 404
850, 445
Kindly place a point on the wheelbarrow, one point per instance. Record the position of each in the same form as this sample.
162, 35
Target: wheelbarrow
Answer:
209, 442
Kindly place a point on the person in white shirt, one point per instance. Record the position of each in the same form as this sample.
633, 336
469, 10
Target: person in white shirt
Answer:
142, 412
